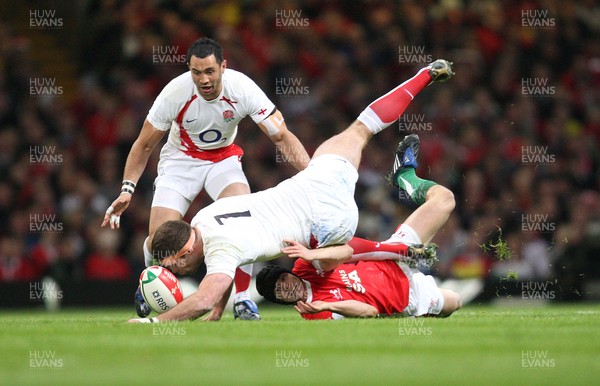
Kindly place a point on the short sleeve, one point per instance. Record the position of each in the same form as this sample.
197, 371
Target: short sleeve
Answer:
258, 105
162, 113
218, 261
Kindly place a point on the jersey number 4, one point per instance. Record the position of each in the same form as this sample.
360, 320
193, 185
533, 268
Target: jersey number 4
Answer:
220, 217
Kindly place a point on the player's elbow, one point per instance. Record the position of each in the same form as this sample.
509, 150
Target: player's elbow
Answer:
371, 312
327, 266
280, 138
141, 148
364, 310
200, 306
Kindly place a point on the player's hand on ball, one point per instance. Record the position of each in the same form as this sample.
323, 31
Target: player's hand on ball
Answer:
295, 249
115, 210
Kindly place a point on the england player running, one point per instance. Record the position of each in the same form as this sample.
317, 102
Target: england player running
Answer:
202, 109
314, 208
362, 287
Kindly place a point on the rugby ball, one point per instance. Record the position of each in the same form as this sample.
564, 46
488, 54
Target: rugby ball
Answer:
160, 288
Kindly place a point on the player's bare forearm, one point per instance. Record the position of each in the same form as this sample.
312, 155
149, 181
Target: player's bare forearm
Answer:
288, 145
347, 308
217, 311
210, 292
330, 264
134, 167
333, 252
292, 150
140, 151
353, 309
136, 163
328, 257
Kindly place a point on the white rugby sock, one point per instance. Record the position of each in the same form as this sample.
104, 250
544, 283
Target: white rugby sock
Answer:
241, 296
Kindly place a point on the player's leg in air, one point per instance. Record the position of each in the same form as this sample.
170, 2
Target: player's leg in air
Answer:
411, 240
382, 113
346, 147
379, 115
429, 217
435, 202
338, 157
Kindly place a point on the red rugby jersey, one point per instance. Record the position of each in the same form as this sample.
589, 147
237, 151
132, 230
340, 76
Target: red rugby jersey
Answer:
381, 284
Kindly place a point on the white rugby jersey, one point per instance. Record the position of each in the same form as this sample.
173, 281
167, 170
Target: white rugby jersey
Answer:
198, 125
243, 229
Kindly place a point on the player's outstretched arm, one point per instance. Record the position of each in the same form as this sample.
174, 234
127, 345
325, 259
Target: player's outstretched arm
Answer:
204, 300
328, 257
347, 308
134, 167
288, 144
217, 311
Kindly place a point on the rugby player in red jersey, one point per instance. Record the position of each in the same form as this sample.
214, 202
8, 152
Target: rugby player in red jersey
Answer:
381, 278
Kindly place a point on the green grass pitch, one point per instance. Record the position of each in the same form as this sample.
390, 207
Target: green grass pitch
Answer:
478, 345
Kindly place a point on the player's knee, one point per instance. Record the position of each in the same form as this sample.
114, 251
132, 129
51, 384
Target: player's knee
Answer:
445, 199
452, 302
458, 302
358, 132
455, 301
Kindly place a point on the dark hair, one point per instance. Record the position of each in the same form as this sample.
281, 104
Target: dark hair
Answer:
204, 47
169, 238
266, 281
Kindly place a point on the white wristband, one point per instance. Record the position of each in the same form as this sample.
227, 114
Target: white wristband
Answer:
128, 187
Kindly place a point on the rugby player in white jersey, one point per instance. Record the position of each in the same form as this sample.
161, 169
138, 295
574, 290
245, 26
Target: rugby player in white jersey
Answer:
202, 109
315, 209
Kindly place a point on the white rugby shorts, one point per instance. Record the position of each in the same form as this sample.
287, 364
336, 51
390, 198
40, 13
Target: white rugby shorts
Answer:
330, 181
424, 296
180, 179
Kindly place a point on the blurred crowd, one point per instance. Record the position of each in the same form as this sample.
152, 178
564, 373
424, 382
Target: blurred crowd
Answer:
515, 135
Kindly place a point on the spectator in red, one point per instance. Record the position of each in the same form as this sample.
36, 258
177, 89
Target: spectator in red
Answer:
14, 265
105, 262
